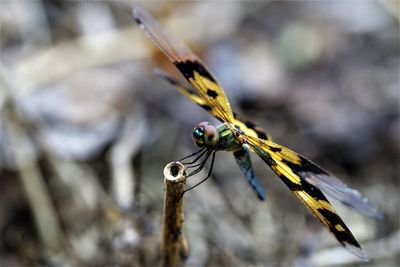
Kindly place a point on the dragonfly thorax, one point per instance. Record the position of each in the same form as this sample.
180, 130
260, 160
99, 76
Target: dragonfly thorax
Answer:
205, 134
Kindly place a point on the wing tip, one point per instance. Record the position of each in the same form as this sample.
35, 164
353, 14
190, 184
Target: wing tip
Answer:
366, 208
374, 213
137, 14
358, 251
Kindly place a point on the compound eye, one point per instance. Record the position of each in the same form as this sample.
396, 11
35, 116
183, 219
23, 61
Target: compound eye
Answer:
210, 135
198, 136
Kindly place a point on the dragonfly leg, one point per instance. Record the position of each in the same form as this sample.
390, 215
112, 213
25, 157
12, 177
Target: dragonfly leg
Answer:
199, 165
208, 175
191, 155
190, 164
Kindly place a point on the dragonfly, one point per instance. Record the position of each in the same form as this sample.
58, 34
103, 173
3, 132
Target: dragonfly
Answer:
306, 180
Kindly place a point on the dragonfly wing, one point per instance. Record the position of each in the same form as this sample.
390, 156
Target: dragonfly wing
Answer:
187, 63
186, 91
340, 191
245, 126
250, 128
242, 157
290, 167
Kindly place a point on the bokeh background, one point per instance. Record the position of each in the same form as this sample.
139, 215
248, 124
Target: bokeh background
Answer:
86, 130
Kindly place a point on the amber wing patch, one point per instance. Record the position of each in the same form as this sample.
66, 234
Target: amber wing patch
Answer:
290, 167
246, 126
188, 64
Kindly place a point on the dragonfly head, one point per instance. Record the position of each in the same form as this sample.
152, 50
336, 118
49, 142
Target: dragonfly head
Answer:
205, 134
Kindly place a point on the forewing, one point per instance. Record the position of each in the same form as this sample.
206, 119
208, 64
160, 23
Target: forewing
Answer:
248, 127
290, 167
187, 63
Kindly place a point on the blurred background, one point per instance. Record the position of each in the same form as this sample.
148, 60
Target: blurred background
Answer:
86, 130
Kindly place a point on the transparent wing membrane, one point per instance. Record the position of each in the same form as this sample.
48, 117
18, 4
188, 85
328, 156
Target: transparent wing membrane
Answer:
187, 63
340, 191
291, 168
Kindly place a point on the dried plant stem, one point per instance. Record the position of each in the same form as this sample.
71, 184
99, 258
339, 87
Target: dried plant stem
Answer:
36, 191
174, 247
35, 188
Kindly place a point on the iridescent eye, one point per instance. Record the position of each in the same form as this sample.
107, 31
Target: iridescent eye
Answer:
205, 134
210, 135
198, 132
198, 136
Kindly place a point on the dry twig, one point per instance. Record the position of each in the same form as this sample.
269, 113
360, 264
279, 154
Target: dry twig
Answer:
174, 247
